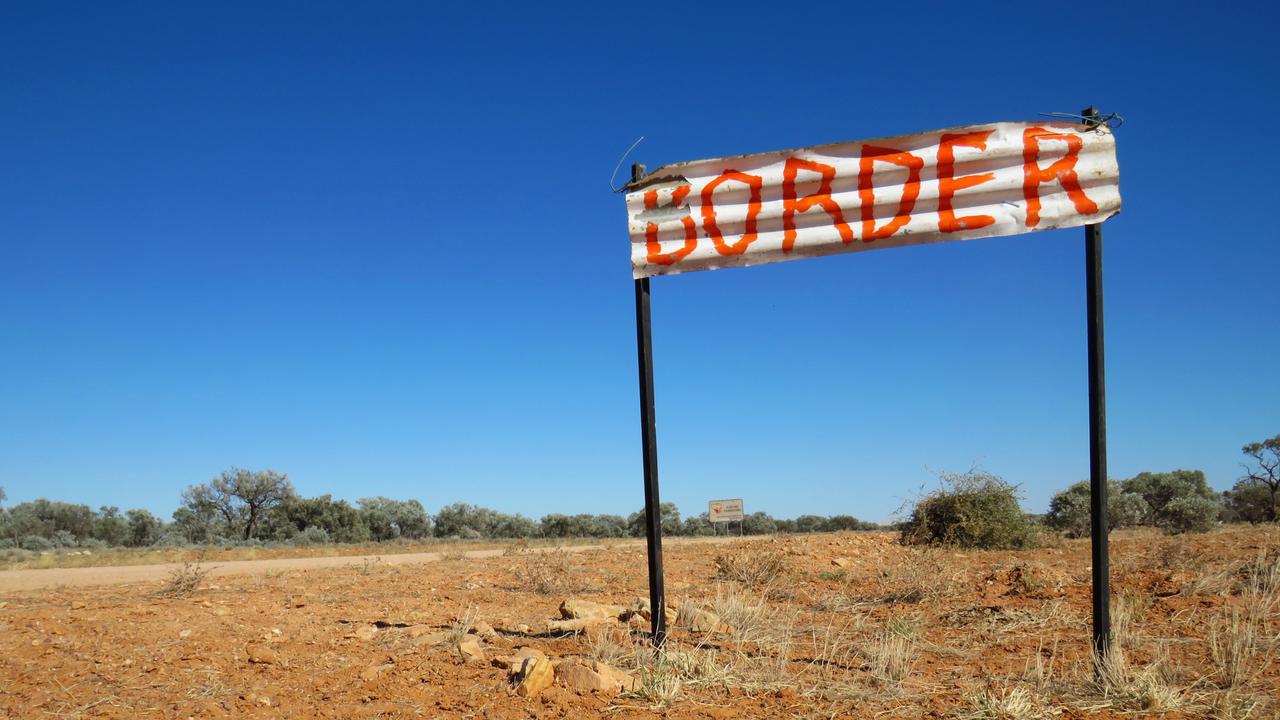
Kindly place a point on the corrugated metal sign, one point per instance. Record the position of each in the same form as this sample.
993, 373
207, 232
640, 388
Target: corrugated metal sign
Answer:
955, 184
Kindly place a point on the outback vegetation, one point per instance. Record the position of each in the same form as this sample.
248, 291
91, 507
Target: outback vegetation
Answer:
978, 509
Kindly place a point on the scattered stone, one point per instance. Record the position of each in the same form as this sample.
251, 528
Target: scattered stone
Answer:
513, 663
574, 626
840, 562
701, 621
261, 654
470, 650
78, 605
365, 632
438, 638
372, 673
523, 629
641, 607
593, 676
185, 632
535, 675
484, 629
575, 609
256, 698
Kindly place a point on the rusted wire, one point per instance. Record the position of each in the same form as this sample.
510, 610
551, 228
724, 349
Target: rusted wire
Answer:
1110, 120
618, 167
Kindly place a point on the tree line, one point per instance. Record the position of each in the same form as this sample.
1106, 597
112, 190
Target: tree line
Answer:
258, 507
244, 507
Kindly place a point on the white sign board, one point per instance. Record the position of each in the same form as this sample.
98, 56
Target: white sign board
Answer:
725, 510
969, 182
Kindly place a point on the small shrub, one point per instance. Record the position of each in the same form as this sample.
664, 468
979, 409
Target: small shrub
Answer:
311, 536
36, 543
63, 539
7, 544
976, 509
185, 580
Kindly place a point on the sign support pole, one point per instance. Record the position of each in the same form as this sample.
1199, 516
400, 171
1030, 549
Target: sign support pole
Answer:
1097, 434
649, 445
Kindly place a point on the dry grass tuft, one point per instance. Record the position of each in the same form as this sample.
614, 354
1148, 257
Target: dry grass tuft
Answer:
664, 676
751, 568
747, 614
552, 573
184, 581
1016, 704
892, 656
612, 646
462, 625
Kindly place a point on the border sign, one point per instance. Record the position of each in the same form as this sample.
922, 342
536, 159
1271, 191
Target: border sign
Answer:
719, 511
967, 182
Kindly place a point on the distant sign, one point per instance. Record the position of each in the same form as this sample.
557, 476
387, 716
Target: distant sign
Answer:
955, 184
725, 510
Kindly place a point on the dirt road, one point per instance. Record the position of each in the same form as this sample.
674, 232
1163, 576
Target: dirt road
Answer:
19, 580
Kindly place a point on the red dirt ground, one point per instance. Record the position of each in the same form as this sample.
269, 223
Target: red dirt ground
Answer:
341, 641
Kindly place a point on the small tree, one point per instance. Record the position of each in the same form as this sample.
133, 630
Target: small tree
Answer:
1249, 502
1265, 456
144, 528
976, 509
109, 526
241, 496
670, 522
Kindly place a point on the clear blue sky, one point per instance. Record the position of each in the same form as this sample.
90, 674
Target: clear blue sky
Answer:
372, 246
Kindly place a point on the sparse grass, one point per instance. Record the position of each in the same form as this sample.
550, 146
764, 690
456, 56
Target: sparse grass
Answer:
453, 554
462, 625
751, 567
664, 676
746, 614
612, 646
552, 573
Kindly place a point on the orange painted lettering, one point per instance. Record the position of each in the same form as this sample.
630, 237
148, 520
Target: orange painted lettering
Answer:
1063, 170
822, 198
654, 249
948, 185
866, 194
754, 182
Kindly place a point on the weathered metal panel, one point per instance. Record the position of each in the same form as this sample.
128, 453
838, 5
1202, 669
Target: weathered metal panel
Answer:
955, 184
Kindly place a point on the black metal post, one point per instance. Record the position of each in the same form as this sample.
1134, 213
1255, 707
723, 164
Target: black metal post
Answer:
1097, 434
649, 445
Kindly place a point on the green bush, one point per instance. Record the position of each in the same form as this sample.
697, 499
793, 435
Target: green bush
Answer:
1190, 514
36, 543
311, 536
1069, 509
1179, 501
976, 509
